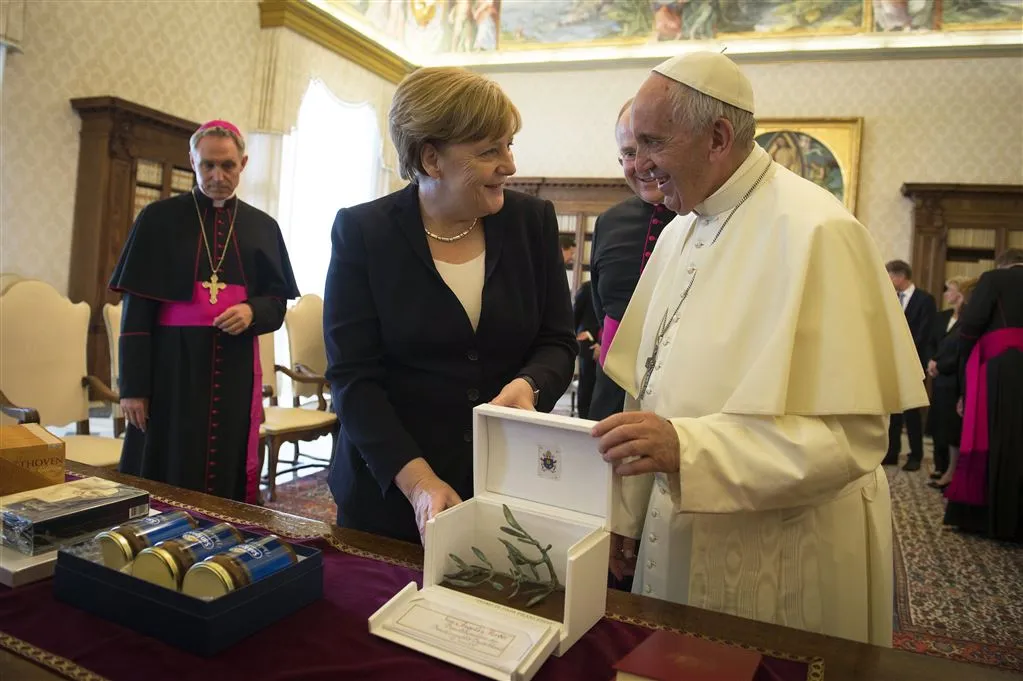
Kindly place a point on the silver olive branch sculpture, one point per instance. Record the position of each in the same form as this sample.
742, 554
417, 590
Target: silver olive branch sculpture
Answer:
523, 573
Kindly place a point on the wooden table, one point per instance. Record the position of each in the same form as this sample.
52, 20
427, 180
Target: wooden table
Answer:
844, 660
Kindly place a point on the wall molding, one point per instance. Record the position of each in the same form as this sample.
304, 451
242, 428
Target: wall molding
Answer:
335, 35
329, 26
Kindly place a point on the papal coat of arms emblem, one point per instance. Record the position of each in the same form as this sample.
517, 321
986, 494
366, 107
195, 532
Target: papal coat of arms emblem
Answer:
548, 463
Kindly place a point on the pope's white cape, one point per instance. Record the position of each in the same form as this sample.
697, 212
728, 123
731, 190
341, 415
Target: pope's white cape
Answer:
790, 352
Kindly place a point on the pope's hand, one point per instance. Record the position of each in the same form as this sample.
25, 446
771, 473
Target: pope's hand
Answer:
234, 319
622, 561
640, 434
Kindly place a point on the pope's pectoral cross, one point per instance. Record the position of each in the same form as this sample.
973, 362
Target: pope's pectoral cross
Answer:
649, 365
215, 287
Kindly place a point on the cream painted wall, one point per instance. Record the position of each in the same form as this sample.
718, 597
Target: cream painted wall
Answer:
166, 55
938, 120
925, 120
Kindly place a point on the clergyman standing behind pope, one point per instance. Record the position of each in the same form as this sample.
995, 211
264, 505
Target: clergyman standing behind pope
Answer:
762, 353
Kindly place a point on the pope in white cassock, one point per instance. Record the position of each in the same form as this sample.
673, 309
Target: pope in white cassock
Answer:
762, 353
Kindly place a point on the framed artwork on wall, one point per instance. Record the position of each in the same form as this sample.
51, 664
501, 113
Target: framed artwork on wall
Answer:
825, 151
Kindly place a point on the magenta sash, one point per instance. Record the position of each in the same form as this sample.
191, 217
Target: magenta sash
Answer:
200, 312
970, 481
255, 420
607, 335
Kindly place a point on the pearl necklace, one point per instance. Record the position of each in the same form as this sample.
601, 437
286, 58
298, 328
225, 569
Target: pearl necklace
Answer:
449, 239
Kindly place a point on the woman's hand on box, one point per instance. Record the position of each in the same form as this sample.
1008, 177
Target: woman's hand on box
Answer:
428, 494
518, 395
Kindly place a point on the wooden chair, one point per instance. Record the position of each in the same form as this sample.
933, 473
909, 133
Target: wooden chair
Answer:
307, 352
43, 376
112, 320
289, 424
307, 355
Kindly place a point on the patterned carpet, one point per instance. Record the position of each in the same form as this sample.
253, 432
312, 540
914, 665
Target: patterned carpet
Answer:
308, 496
957, 596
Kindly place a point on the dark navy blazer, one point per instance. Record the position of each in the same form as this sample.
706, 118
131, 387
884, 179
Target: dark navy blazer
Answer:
406, 367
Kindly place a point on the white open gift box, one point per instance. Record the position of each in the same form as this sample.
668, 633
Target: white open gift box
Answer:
547, 470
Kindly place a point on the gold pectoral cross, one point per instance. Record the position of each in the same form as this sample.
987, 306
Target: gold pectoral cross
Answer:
215, 287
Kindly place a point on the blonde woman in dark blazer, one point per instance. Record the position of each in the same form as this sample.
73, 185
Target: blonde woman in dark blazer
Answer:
441, 296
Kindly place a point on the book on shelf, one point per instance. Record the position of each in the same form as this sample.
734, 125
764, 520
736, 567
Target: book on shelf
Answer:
960, 237
959, 268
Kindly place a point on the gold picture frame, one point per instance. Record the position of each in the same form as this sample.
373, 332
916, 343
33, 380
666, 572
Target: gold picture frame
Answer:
825, 151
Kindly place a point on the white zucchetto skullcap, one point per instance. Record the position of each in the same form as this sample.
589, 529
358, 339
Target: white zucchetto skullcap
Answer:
713, 74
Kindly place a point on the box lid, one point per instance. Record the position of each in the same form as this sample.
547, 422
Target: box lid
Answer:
22, 435
543, 458
490, 640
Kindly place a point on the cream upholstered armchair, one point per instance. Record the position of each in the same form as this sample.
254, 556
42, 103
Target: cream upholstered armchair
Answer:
8, 278
112, 320
43, 376
288, 424
308, 354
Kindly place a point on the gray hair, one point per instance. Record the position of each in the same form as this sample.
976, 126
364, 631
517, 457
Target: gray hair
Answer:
698, 112
216, 131
625, 107
1010, 258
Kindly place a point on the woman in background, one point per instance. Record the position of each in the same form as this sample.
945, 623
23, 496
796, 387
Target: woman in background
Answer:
444, 295
943, 368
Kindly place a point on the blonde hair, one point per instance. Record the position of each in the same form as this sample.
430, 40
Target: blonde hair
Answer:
443, 105
964, 283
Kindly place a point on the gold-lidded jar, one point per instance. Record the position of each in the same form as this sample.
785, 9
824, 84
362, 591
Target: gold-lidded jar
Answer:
238, 567
166, 563
121, 544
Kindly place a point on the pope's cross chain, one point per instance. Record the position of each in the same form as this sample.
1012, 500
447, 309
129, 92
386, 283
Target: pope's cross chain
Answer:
667, 320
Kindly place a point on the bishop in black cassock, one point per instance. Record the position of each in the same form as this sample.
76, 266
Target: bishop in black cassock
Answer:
188, 260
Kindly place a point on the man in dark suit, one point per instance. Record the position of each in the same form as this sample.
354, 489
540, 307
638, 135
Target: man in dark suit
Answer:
586, 332
567, 242
920, 310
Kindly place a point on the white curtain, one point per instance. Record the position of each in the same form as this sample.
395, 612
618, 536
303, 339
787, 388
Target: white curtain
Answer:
261, 182
331, 161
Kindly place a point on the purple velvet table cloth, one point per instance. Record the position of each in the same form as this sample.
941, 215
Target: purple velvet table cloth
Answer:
326, 640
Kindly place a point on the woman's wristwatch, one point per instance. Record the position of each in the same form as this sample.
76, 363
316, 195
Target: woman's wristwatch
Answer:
534, 386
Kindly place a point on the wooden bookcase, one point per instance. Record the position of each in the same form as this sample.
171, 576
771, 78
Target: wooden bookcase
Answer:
578, 202
130, 156
959, 229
